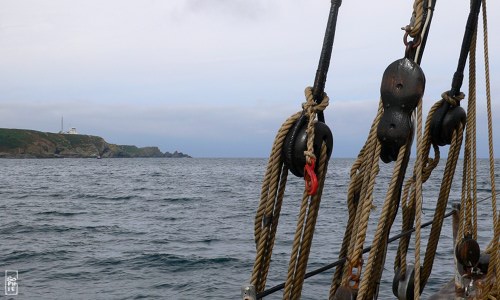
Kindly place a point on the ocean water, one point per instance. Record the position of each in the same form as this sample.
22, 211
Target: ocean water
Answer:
177, 228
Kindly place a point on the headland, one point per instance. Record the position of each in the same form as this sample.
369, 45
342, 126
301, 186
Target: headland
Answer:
24, 143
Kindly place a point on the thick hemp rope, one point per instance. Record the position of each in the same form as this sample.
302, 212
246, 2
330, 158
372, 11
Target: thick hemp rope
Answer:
418, 201
441, 204
271, 199
309, 208
361, 189
364, 207
304, 234
468, 222
367, 159
408, 198
409, 208
494, 247
417, 19
389, 209
268, 212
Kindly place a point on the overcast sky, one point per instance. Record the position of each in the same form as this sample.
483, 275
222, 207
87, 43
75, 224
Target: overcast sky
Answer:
215, 78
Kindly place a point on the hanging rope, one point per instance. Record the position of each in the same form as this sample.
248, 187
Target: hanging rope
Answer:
273, 189
365, 197
304, 235
409, 195
494, 247
268, 212
419, 199
363, 171
360, 194
388, 211
468, 223
441, 204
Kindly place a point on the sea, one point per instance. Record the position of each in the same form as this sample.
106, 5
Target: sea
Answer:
158, 228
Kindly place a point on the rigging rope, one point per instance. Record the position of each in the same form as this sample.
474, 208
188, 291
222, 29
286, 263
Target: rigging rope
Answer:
494, 246
360, 193
342, 260
304, 235
272, 193
367, 157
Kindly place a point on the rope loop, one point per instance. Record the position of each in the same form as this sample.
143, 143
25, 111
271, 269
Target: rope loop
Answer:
311, 108
417, 19
311, 103
453, 100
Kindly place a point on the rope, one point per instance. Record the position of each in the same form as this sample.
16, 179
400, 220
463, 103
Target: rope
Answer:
272, 193
494, 267
408, 200
441, 204
304, 235
418, 202
363, 161
388, 210
370, 164
472, 93
342, 260
417, 19
268, 212
468, 223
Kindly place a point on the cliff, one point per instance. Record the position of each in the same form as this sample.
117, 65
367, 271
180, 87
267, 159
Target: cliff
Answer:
21, 143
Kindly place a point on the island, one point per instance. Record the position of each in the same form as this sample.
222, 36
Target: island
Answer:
24, 143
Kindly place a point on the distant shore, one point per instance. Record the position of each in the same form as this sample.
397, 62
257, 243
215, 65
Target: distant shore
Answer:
23, 143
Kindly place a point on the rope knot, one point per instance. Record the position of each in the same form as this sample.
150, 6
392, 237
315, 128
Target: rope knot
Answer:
415, 27
311, 104
310, 108
453, 100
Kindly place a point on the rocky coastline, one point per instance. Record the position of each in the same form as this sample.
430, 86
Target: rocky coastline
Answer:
23, 143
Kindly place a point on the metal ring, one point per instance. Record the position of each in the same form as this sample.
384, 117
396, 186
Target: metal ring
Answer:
416, 41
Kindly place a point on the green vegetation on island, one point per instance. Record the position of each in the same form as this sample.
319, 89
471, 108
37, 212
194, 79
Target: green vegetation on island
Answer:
23, 143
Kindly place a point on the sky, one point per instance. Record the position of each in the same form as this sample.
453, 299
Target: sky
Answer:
217, 78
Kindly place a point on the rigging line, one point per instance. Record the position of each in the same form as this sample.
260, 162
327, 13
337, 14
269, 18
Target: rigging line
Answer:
342, 260
365, 250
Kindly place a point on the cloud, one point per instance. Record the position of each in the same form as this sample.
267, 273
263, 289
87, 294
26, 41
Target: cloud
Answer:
233, 8
214, 77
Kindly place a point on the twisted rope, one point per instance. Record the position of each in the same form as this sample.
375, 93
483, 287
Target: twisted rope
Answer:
417, 19
494, 247
311, 108
273, 189
408, 200
441, 204
304, 234
419, 200
472, 93
269, 209
468, 222
389, 209
359, 178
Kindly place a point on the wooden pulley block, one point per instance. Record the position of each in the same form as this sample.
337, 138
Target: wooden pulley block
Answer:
484, 262
402, 287
345, 293
402, 87
468, 252
444, 122
296, 143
